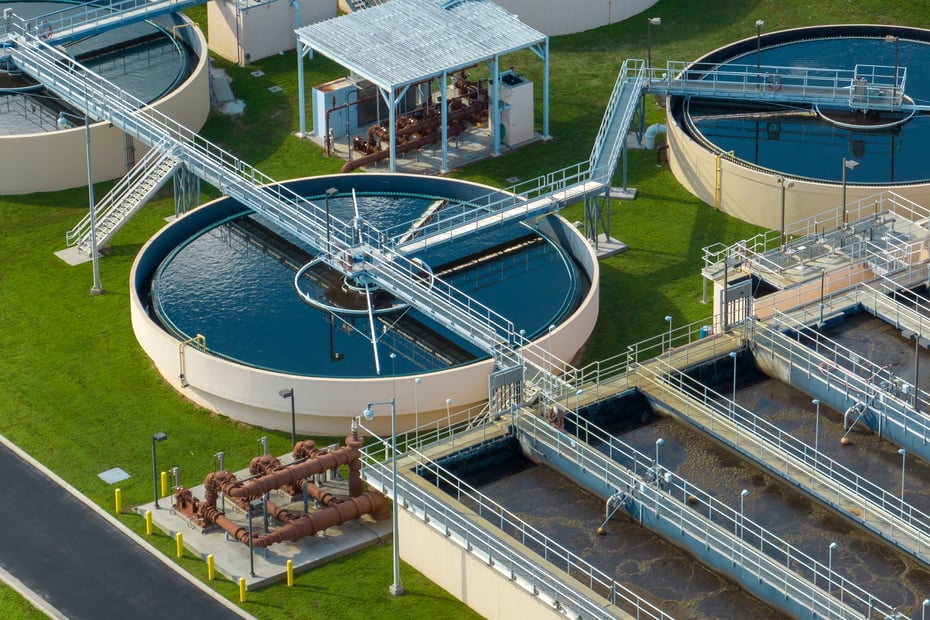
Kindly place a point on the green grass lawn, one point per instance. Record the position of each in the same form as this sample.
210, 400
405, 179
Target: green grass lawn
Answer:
77, 392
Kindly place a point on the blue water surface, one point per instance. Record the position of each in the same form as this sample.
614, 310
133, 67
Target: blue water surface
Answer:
813, 148
243, 300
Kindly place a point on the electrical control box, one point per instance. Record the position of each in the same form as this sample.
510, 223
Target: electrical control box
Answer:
516, 96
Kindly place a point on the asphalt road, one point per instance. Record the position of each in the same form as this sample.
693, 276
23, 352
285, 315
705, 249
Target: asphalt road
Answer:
81, 564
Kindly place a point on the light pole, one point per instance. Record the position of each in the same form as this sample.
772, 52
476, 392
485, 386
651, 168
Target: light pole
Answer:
733, 356
578, 394
416, 403
742, 506
659, 442
833, 546
890, 38
289, 393
916, 366
156, 438
97, 287
397, 588
332, 191
448, 413
816, 403
650, 22
785, 185
923, 609
903, 454
668, 318
759, 24
848, 164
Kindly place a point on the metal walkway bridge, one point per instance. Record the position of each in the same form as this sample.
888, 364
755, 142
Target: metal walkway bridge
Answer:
355, 249
865, 87
766, 565
547, 193
84, 20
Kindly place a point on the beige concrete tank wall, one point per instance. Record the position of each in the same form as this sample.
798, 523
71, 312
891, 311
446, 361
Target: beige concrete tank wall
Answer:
243, 31
754, 195
555, 17
465, 576
326, 405
41, 162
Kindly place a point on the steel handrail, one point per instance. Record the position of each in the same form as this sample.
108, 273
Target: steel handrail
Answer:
702, 530
507, 522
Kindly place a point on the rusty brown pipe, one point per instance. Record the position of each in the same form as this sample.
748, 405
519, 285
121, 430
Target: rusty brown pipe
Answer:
403, 147
292, 475
372, 503
348, 104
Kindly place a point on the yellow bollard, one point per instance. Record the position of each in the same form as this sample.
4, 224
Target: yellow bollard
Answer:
164, 484
210, 571
290, 573
179, 540
148, 522
241, 589
118, 499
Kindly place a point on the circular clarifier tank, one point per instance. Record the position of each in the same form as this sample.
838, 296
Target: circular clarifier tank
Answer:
234, 310
161, 62
738, 155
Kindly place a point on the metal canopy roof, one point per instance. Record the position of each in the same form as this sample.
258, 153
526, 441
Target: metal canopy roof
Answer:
406, 41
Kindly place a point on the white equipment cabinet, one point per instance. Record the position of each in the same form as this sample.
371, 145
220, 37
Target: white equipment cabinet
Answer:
516, 95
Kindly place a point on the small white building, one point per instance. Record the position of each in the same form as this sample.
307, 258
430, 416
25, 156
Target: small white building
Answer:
243, 31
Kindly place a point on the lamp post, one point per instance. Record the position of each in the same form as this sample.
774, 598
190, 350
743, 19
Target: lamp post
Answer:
923, 609
759, 24
332, 191
742, 506
903, 454
890, 38
397, 588
816, 403
785, 185
650, 22
659, 442
578, 394
733, 400
156, 438
916, 366
848, 164
416, 403
833, 546
448, 413
668, 318
289, 393
97, 287
733, 356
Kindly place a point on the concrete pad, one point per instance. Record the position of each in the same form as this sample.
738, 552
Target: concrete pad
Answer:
623, 193
608, 246
73, 256
220, 86
231, 557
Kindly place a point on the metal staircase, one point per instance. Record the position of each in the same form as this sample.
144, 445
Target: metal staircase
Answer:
549, 192
336, 243
126, 197
611, 137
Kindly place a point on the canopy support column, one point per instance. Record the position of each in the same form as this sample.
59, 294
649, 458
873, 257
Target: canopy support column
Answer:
444, 110
302, 50
391, 100
495, 115
543, 54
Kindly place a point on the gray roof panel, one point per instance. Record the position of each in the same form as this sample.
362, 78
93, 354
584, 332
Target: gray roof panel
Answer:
406, 41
